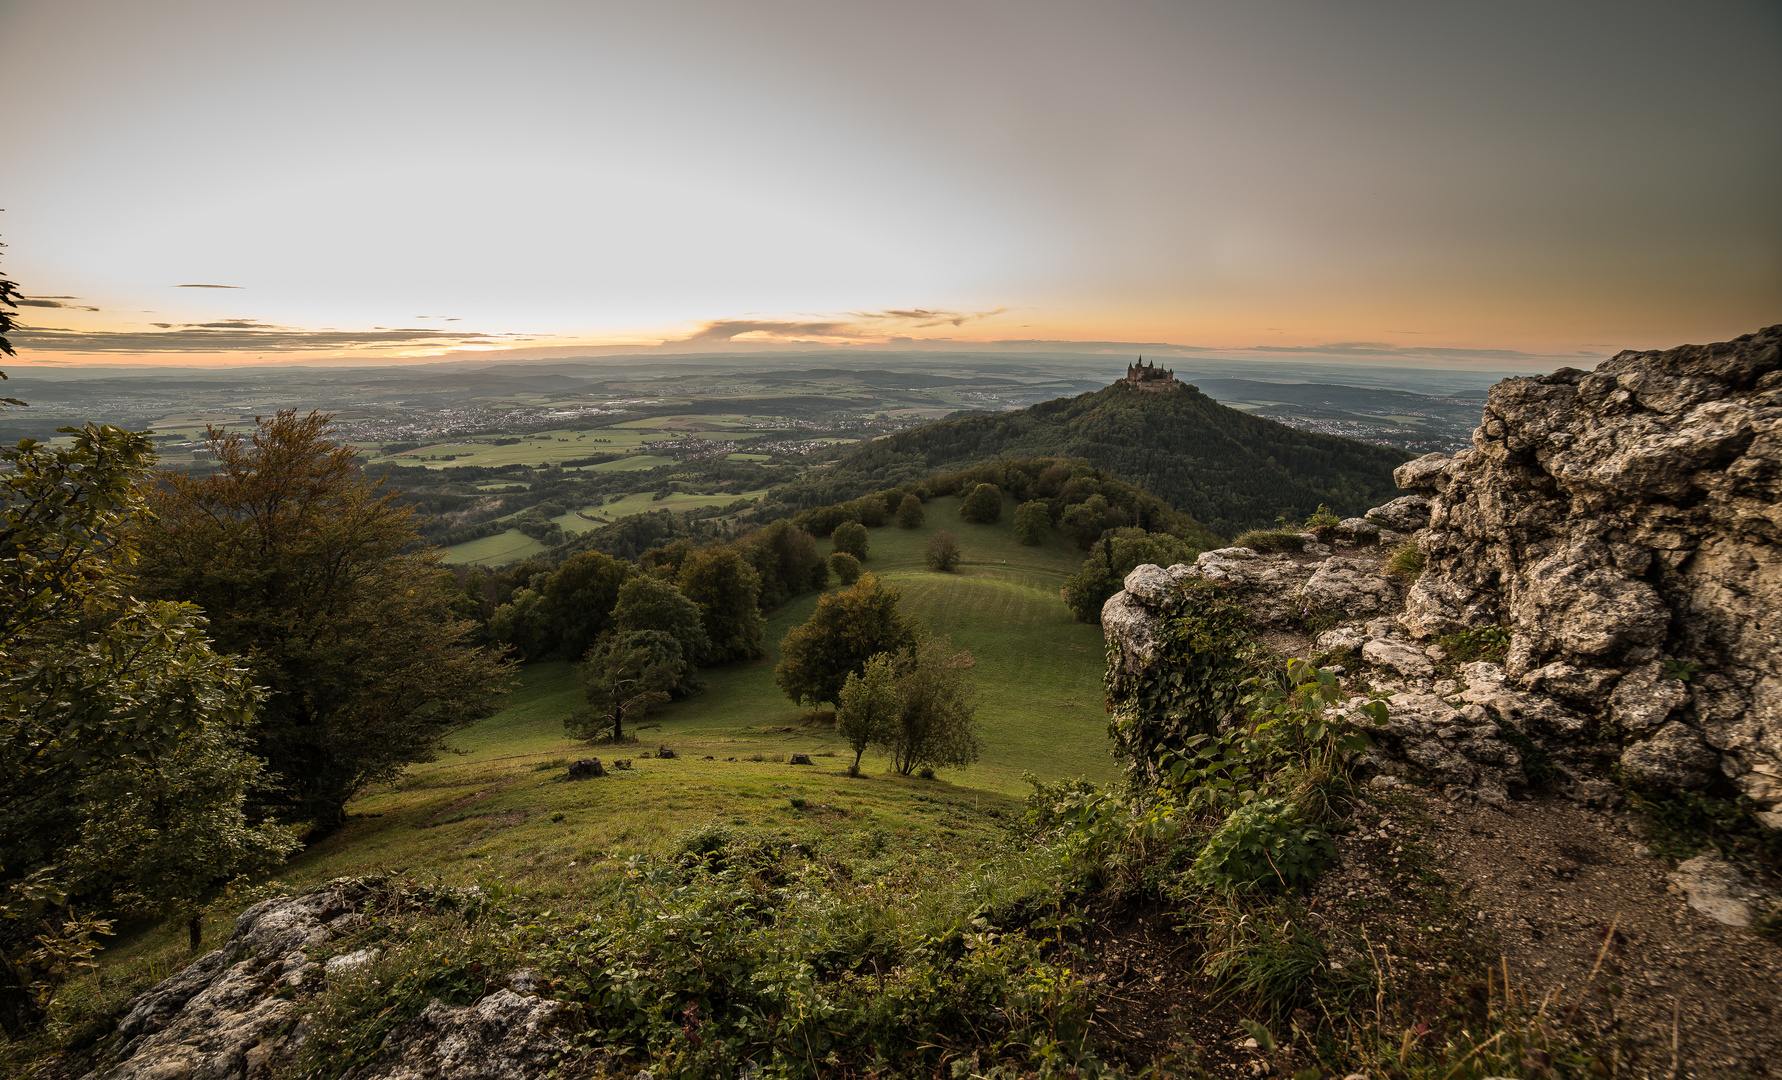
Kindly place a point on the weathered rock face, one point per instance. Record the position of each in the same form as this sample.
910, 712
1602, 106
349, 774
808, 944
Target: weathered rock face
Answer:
230, 1014
1627, 525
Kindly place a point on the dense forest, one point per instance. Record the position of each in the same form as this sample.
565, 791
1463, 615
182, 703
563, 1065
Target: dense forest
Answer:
1228, 470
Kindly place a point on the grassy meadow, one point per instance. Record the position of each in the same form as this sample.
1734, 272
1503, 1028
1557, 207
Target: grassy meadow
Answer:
496, 806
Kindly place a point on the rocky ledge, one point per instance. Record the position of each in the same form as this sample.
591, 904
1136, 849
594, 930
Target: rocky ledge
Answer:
236, 1013
1623, 525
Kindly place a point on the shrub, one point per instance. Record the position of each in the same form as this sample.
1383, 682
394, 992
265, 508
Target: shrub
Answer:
943, 552
1407, 562
1485, 643
1323, 523
936, 720
1270, 540
1263, 845
983, 506
849, 538
845, 567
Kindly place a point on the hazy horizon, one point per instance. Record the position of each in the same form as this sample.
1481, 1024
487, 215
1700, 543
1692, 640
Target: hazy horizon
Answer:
1511, 187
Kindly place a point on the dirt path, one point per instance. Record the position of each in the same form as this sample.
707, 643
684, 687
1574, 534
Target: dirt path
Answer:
1550, 878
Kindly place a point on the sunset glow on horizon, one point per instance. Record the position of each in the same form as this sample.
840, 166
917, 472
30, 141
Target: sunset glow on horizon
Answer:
209, 182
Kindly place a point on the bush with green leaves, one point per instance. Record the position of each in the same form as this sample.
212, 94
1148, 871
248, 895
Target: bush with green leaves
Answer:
1263, 844
850, 538
845, 567
1205, 653
909, 512
1033, 519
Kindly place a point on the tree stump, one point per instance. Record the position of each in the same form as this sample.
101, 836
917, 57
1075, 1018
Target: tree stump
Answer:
586, 768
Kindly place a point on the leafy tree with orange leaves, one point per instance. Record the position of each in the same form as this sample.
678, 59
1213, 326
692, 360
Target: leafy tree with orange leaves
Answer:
307, 569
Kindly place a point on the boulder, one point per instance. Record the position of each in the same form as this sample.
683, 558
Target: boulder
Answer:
1722, 891
1351, 586
505, 1036
1396, 654
1406, 514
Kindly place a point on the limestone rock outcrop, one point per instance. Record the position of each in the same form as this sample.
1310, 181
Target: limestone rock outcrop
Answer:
233, 1014
1624, 525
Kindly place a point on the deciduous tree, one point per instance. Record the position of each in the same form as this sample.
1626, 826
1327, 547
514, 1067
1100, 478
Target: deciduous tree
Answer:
1032, 519
848, 628
648, 603
576, 603
936, 717
850, 538
626, 675
728, 592
868, 710
845, 567
123, 777
943, 552
909, 512
983, 506
304, 567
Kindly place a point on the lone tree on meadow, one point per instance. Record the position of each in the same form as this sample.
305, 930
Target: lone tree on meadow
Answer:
626, 675
306, 569
909, 512
1032, 519
943, 552
983, 506
849, 627
850, 538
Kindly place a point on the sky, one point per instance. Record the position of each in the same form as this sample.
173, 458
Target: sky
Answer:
199, 182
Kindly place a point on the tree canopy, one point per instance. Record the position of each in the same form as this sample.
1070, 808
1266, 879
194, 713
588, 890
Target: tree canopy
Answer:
850, 538
848, 628
123, 774
728, 592
983, 505
304, 567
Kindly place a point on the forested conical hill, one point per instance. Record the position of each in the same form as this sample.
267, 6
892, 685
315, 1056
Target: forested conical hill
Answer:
1228, 469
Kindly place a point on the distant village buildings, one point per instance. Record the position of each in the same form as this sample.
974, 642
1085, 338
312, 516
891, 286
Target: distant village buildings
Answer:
1150, 377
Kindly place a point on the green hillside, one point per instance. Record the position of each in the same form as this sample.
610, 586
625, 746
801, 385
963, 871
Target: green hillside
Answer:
1229, 470
1038, 679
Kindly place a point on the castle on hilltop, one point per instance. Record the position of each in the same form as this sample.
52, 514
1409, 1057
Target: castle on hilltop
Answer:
1150, 377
